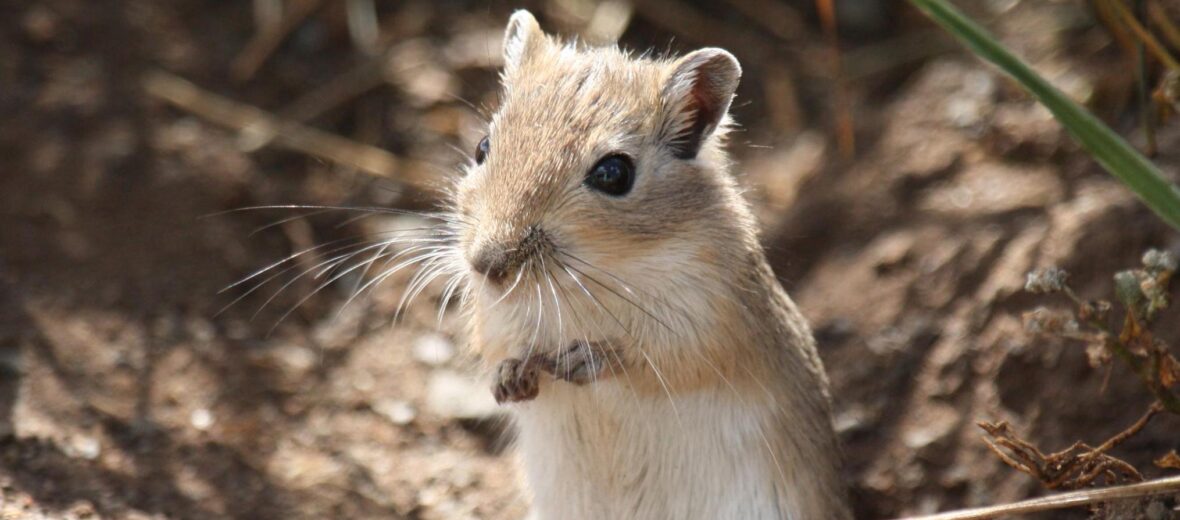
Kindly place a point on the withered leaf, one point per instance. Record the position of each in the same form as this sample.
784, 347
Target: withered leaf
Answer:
1169, 371
1169, 461
1097, 353
1131, 334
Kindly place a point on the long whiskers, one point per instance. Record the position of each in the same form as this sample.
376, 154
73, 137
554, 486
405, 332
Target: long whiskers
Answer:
626, 299
532, 344
387, 271
432, 248
278, 273
431, 269
443, 216
637, 292
319, 269
557, 307
282, 221
636, 343
322, 285
611, 349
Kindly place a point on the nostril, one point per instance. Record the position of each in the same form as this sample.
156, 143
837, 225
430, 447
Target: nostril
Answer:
492, 263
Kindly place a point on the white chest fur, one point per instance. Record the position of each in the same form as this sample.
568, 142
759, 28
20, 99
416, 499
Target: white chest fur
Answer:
602, 452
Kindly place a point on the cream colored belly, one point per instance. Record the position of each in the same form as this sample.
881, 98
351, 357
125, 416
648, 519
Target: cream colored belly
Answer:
600, 452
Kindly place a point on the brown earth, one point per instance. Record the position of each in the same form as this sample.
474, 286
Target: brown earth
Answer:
124, 393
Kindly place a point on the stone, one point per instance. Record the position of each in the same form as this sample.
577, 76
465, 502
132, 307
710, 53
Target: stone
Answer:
456, 396
433, 349
396, 411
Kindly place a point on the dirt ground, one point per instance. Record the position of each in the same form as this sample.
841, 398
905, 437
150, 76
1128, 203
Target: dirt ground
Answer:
125, 393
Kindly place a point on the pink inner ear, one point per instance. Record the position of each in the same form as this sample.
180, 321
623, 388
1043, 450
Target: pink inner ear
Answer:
702, 105
698, 92
705, 101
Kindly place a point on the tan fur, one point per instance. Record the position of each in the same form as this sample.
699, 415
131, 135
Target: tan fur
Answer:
716, 405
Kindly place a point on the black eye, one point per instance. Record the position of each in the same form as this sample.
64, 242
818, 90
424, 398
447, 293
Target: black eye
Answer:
613, 175
482, 149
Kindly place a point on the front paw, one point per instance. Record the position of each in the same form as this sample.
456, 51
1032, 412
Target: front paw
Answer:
580, 363
516, 381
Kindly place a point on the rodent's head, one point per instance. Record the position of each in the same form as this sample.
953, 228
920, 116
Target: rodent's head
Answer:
602, 179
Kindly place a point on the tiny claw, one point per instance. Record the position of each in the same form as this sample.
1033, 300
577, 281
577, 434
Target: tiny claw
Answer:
581, 363
516, 381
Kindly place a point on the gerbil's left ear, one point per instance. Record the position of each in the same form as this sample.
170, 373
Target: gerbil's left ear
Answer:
522, 37
696, 97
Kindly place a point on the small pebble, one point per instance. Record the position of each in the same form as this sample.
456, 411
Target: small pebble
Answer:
41, 24
398, 412
201, 419
455, 396
87, 447
297, 358
363, 381
200, 329
433, 349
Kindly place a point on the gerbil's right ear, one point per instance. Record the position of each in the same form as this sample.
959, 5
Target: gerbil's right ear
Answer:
522, 37
696, 97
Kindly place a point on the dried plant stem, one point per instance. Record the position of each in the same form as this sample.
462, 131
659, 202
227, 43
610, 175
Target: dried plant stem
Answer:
845, 129
1153, 45
1063, 500
690, 22
268, 39
1131, 430
1146, 373
1166, 27
779, 18
1143, 90
1075, 467
1166, 398
240, 116
341, 88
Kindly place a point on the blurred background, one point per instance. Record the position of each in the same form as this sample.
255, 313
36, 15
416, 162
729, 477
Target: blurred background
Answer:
905, 189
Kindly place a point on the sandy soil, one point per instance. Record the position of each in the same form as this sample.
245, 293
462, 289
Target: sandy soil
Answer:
124, 393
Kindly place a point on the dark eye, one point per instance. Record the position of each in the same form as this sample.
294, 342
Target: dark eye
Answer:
482, 149
613, 175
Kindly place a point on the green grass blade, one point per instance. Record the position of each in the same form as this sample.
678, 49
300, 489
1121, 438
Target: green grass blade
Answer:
1102, 143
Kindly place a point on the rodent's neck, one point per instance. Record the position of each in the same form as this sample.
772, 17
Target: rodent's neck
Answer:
751, 331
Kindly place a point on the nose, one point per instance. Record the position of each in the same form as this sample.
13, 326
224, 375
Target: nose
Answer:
496, 258
492, 262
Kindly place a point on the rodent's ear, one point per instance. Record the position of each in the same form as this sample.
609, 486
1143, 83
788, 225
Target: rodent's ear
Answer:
521, 37
696, 97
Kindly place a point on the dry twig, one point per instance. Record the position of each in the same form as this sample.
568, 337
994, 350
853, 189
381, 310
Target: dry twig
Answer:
341, 88
291, 135
845, 130
1064, 500
269, 38
1160, 18
779, 18
693, 24
1075, 467
1158, 50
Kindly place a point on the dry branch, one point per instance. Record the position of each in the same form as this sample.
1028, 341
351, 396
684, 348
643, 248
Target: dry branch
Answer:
693, 24
287, 134
269, 38
1064, 500
780, 19
1075, 467
339, 89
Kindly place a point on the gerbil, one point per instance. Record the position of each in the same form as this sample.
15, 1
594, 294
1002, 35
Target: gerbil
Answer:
617, 288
